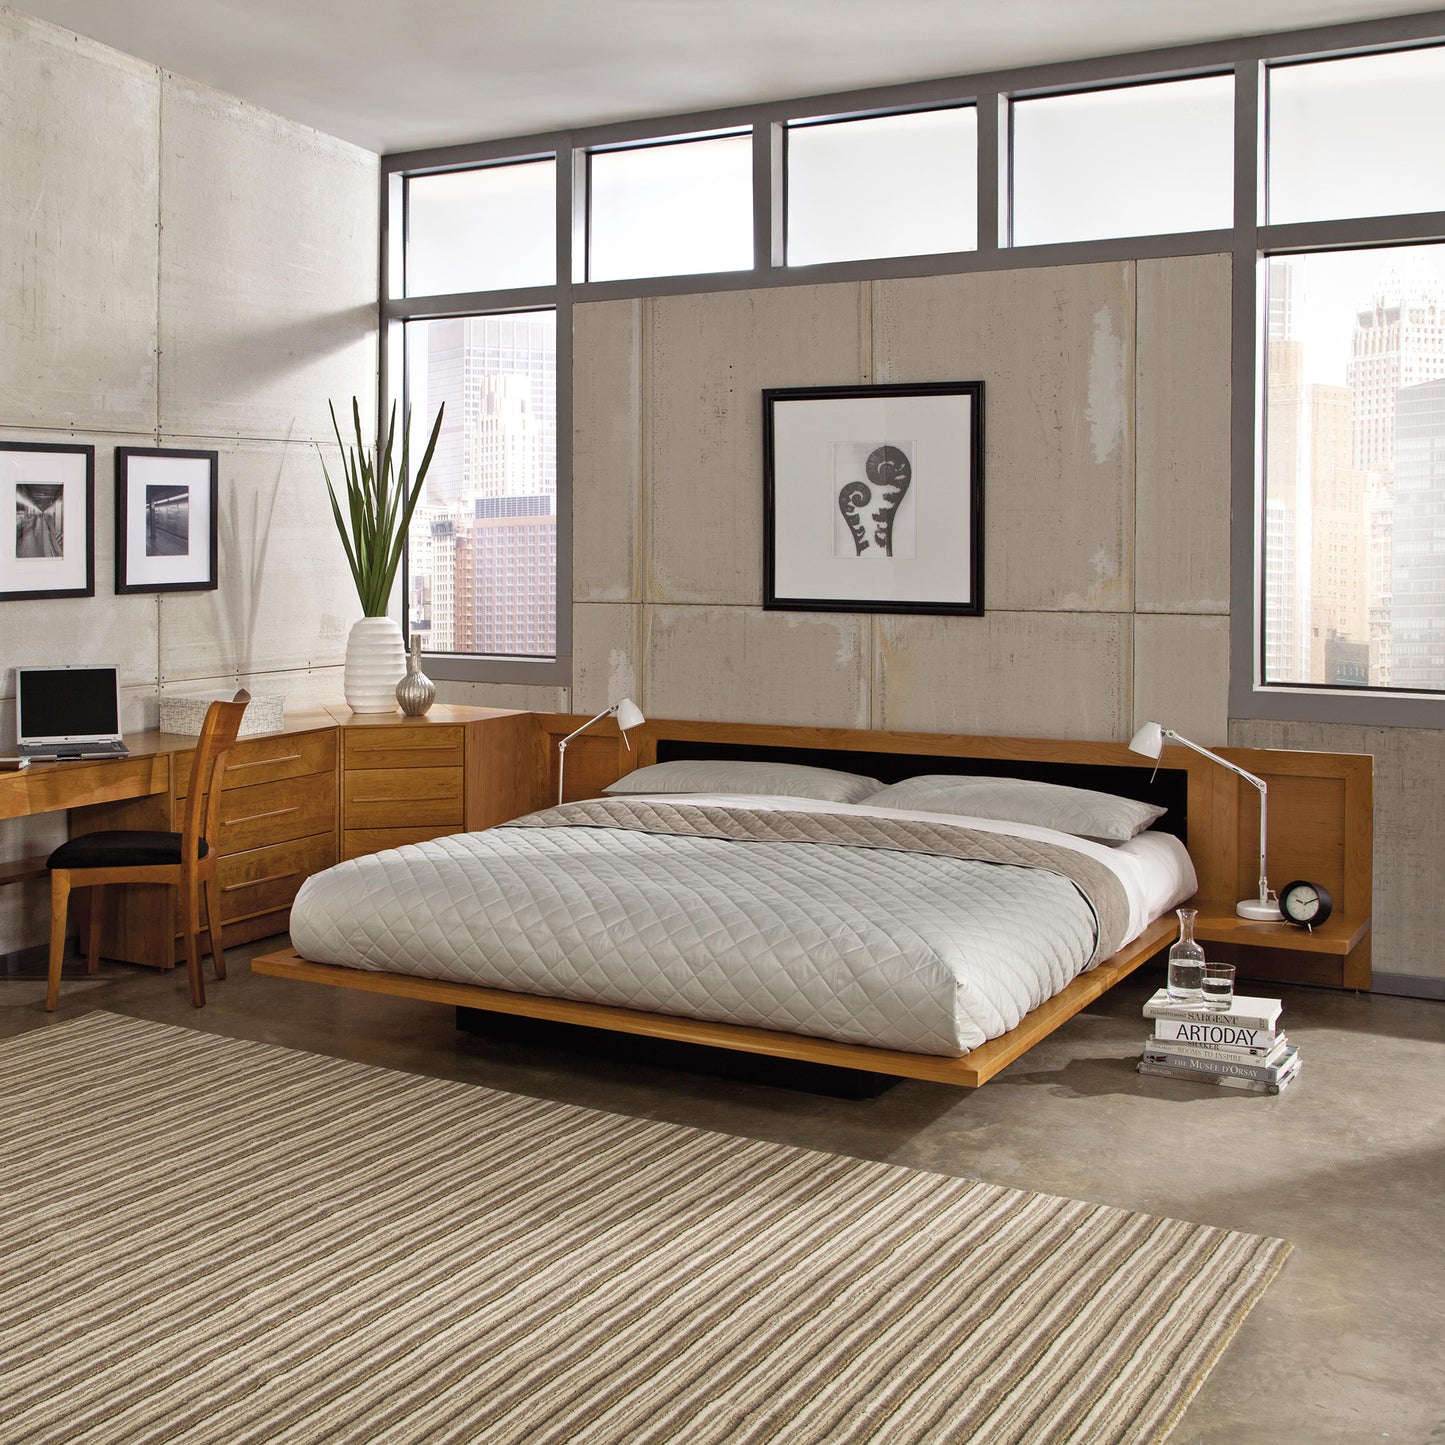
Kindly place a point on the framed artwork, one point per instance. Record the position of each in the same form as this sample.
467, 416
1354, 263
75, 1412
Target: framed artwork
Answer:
165, 520
48, 489
873, 498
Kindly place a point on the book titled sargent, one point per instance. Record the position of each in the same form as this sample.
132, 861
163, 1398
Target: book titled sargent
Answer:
1248, 1013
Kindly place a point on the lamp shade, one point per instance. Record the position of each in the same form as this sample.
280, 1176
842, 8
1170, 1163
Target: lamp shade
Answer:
1149, 740
629, 715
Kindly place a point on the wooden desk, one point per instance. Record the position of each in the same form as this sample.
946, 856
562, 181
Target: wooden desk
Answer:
295, 801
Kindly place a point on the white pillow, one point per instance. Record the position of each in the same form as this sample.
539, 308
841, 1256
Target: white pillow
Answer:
1104, 817
721, 775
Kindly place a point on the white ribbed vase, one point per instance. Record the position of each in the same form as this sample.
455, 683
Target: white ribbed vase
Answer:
375, 663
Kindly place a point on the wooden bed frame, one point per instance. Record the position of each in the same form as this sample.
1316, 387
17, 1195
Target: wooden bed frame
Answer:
1321, 819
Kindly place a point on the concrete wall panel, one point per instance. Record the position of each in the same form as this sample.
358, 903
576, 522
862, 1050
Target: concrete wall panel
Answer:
268, 271
608, 641
1025, 674
709, 358
286, 599
1181, 546
607, 430
1055, 350
520, 696
78, 187
741, 664
1181, 675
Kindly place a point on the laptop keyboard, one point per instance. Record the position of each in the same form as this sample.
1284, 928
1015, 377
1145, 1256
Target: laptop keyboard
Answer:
48, 752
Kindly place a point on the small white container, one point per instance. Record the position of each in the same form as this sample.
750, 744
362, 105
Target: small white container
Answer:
184, 713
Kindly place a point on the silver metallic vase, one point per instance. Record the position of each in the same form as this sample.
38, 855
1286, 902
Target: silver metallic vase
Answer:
416, 691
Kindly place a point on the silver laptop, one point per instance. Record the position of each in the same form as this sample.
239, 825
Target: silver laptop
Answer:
68, 712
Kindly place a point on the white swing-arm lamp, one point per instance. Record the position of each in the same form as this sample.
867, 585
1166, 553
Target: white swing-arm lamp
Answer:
1149, 741
628, 716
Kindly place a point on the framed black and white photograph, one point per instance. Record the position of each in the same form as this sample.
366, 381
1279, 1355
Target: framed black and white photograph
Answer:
48, 490
873, 498
165, 520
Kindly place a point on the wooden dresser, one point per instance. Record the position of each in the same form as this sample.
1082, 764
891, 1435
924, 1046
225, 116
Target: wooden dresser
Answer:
331, 784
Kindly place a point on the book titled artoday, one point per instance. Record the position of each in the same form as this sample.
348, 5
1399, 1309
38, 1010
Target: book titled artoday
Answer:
1247, 1013
1214, 1033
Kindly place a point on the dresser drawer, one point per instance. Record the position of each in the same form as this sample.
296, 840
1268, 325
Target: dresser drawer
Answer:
268, 759
277, 812
265, 879
404, 746
402, 798
356, 842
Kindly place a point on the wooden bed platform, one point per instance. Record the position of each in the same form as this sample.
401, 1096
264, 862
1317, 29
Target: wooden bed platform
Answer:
1321, 824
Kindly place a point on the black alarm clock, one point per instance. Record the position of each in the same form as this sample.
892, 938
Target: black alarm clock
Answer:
1305, 904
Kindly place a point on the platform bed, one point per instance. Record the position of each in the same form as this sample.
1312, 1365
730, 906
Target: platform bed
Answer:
1320, 807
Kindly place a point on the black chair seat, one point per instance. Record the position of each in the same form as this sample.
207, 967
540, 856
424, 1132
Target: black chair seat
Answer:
128, 849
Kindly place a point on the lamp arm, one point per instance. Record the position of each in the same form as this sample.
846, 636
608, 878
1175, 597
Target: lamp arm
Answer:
1248, 778
562, 746
606, 712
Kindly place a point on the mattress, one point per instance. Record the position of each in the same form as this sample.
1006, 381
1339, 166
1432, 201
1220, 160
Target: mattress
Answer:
922, 932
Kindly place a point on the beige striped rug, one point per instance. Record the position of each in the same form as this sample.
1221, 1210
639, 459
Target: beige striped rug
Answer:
206, 1240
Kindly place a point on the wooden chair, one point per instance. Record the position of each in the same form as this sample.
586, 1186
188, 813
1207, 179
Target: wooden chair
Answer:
183, 860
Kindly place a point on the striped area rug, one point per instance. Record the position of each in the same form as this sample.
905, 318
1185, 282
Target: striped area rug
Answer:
206, 1240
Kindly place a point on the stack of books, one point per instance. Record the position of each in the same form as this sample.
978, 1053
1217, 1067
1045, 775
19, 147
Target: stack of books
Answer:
1241, 1047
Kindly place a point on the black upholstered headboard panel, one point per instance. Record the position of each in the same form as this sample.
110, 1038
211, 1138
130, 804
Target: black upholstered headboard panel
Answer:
1168, 788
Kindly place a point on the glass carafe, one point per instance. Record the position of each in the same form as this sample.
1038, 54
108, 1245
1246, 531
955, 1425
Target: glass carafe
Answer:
1186, 962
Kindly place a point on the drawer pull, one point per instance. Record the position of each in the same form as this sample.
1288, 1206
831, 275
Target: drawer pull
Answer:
263, 763
396, 800
257, 882
256, 817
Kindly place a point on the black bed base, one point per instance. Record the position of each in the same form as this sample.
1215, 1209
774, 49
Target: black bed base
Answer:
797, 1074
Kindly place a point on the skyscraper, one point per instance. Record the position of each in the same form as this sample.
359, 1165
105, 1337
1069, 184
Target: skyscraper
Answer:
1417, 563
483, 548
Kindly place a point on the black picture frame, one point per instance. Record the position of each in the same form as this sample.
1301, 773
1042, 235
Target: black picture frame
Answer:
49, 551
873, 498
166, 505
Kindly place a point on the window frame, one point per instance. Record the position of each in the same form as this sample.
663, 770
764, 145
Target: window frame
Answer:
1247, 242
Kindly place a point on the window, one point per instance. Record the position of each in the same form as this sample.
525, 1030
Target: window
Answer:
894, 185
671, 209
492, 228
491, 492
1358, 136
1354, 485
1138, 160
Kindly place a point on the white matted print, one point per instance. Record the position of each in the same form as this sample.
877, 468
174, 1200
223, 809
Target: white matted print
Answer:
874, 498
165, 520
47, 496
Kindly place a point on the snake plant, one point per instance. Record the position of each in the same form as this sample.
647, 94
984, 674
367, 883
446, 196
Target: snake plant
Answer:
378, 506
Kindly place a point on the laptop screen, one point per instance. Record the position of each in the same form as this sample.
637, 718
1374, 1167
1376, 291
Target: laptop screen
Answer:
67, 704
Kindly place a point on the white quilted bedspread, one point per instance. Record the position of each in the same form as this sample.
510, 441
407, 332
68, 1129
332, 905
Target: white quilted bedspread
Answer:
899, 950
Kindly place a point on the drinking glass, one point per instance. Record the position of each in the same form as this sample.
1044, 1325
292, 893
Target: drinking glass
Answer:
1218, 985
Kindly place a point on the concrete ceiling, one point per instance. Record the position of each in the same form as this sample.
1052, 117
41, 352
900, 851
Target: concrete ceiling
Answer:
395, 75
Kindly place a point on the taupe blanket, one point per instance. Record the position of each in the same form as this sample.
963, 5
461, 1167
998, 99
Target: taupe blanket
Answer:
1100, 888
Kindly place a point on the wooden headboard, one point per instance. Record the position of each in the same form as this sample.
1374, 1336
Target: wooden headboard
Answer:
1321, 805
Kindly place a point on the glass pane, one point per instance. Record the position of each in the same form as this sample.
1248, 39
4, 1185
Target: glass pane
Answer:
671, 210
482, 230
1354, 556
482, 554
1357, 137
1138, 161
893, 185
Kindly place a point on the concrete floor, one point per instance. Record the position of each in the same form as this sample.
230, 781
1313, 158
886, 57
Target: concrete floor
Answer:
1349, 1164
